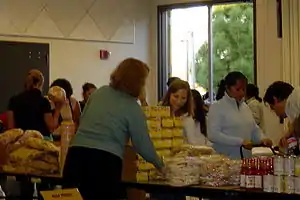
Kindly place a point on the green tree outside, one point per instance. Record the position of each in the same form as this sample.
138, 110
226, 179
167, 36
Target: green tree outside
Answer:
232, 44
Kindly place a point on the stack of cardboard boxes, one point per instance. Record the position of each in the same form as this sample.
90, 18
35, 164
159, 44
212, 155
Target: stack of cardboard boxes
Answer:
166, 133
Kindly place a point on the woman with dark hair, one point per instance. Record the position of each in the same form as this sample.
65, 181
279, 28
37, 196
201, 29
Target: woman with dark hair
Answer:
110, 119
179, 98
221, 90
255, 104
195, 129
230, 121
71, 110
87, 90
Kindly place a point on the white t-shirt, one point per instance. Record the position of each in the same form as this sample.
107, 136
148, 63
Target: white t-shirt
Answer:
256, 108
193, 133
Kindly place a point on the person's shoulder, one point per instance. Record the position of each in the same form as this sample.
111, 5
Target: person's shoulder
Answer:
188, 120
295, 95
105, 88
216, 104
73, 99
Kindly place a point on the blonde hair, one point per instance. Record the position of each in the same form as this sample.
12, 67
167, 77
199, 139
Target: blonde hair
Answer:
130, 76
34, 79
173, 88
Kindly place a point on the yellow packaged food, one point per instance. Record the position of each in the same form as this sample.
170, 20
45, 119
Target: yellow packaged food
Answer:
146, 110
178, 122
155, 133
140, 158
163, 143
165, 111
145, 166
42, 145
167, 133
154, 123
163, 152
154, 111
10, 136
167, 122
152, 172
158, 143
142, 176
177, 132
167, 143
177, 142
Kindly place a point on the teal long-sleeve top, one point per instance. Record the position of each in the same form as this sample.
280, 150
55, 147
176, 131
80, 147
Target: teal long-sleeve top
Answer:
229, 124
109, 119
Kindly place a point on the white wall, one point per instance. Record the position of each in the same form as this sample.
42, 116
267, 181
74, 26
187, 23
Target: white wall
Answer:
269, 53
118, 26
269, 58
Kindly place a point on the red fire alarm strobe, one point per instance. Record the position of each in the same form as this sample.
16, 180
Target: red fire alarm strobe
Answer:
104, 54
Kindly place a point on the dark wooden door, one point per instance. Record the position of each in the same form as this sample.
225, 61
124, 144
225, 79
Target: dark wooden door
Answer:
16, 59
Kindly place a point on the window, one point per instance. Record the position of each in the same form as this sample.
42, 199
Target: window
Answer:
201, 43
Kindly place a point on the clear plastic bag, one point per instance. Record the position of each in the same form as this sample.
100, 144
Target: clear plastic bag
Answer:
182, 171
192, 151
219, 170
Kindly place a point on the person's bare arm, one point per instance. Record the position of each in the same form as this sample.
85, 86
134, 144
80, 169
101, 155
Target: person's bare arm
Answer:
288, 133
10, 120
52, 120
51, 117
76, 114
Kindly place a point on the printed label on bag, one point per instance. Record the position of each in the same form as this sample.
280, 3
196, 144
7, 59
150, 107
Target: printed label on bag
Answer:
64, 194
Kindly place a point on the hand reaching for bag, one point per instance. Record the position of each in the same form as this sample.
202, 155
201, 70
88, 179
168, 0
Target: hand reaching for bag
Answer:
267, 142
247, 144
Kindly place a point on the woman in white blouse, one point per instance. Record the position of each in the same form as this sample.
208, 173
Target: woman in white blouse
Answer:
195, 127
255, 104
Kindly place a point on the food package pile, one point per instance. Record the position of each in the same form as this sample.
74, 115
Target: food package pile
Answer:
182, 171
166, 133
28, 153
184, 165
189, 165
217, 170
192, 150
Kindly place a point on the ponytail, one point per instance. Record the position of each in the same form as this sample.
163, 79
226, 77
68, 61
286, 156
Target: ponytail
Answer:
221, 90
29, 82
33, 79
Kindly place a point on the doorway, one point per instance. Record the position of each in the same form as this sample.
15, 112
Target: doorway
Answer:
16, 59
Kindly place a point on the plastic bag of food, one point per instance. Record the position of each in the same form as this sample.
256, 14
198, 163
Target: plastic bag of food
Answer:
20, 142
182, 171
10, 136
41, 144
192, 151
30, 134
218, 170
57, 94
